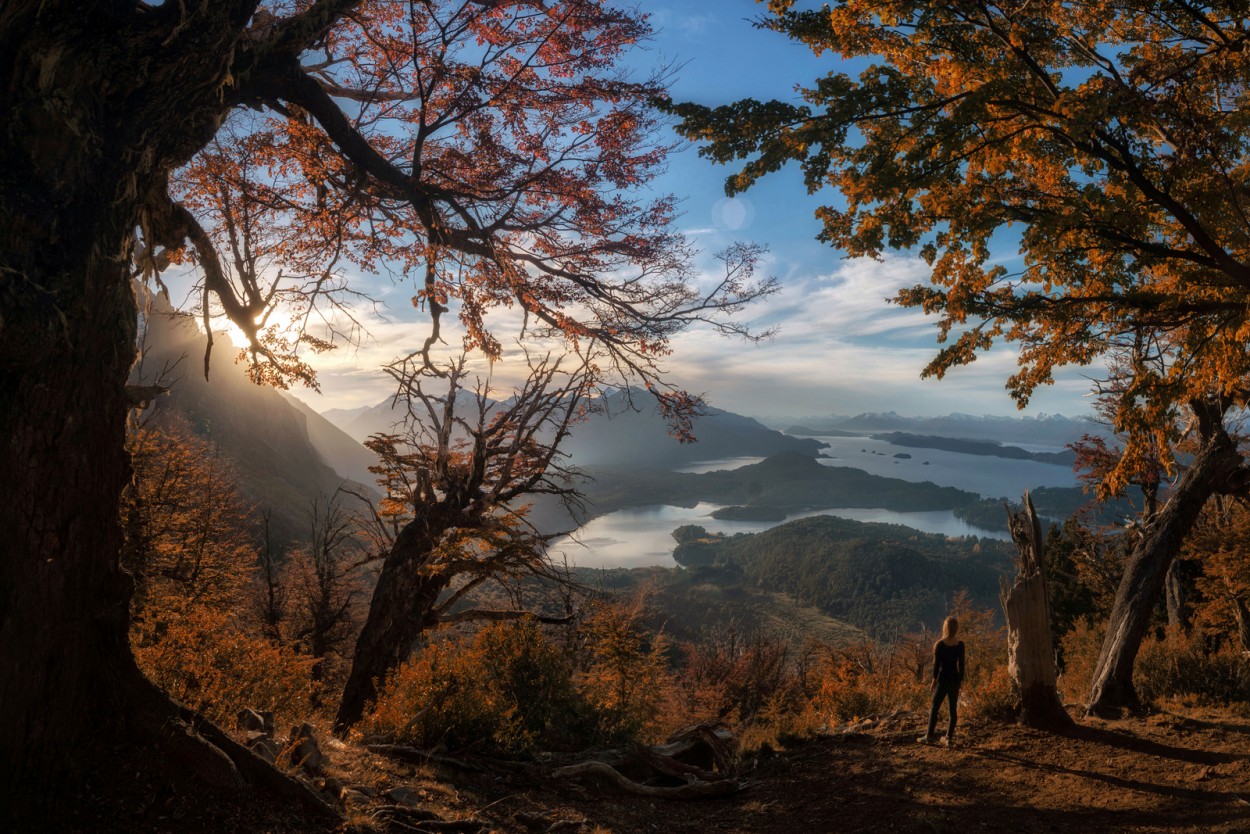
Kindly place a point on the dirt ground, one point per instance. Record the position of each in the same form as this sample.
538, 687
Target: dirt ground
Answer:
1172, 773
1165, 773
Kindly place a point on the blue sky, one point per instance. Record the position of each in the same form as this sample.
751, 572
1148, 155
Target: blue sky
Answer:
841, 347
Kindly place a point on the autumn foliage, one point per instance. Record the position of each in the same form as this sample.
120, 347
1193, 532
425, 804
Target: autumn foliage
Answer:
495, 155
192, 552
521, 687
1097, 140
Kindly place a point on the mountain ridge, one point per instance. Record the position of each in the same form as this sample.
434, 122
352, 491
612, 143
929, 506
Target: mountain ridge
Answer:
267, 439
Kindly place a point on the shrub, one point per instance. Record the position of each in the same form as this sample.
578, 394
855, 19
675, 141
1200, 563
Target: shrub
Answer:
731, 677
1180, 665
508, 686
623, 674
995, 697
1081, 646
207, 662
868, 679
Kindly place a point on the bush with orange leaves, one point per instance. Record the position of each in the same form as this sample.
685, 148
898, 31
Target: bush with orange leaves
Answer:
623, 672
739, 678
515, 688
1080, 647
190, 548
874, 678
507, 689
1188, 668
206, 661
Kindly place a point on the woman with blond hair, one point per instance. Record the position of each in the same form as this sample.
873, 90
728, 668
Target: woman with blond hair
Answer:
948, 674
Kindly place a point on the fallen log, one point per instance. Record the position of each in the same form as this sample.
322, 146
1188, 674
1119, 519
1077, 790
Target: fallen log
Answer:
696, 789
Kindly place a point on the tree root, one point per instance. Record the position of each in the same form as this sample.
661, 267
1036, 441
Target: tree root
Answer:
206, 755
696, 789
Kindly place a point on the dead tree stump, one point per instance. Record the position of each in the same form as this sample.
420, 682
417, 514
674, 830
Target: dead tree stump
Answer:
1030, 650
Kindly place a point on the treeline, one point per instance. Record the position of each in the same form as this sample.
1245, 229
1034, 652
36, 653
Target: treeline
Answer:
1054, 503
883, 578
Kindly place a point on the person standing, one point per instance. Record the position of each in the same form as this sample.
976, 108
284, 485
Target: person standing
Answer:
948, 674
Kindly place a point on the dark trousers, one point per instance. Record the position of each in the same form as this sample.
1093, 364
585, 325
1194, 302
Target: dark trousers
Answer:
950, 692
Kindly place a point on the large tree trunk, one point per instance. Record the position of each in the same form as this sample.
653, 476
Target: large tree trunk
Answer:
1211, 471
400, 610
81, 149
64, 648
1030, 649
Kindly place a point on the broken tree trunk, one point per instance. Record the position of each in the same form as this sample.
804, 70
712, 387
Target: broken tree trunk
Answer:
1030, 650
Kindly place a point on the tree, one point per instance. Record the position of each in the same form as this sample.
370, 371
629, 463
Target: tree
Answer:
1030, 645
1111, 469
1108, 142
324, 584
454, 489
494, 148
189, 537
190, 550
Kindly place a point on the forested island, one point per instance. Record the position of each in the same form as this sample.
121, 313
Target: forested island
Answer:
975, 447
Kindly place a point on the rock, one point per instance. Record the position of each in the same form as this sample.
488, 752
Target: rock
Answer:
304, 750
404, 796
331, 786
256, 721
263, 746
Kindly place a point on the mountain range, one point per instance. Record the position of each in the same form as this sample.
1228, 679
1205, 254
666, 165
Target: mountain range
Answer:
623, 430
1044, 429
288, 456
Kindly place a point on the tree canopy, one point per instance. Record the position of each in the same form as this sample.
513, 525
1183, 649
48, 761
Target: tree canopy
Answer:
498, 153
1109, 141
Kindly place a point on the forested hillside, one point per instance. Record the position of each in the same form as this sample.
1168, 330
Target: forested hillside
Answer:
885, 579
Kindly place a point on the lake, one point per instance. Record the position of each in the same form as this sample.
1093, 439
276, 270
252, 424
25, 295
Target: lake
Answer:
987, 476
642, 536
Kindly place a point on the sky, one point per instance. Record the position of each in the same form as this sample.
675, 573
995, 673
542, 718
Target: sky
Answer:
840, 347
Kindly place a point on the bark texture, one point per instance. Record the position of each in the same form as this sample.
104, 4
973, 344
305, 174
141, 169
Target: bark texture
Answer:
1242, 611
401, 608
1216, 468
1030, 648
87, 90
